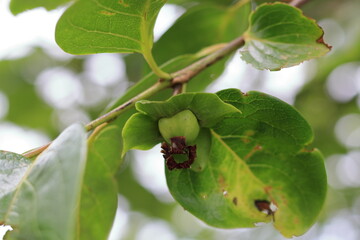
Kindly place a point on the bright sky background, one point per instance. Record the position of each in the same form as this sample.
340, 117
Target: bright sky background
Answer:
27, 29
3, 230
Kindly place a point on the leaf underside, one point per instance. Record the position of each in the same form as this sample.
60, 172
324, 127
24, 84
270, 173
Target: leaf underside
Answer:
280, 36
43, 205
12, 169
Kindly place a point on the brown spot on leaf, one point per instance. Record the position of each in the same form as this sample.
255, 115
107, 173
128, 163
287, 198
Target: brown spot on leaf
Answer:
254, 150
249, 133
284, 200
246, 140
107, 13
308, 150
222, 183
267, 189
122, 3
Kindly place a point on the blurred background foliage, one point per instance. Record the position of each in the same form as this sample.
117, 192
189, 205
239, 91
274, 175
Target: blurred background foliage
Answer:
43, 90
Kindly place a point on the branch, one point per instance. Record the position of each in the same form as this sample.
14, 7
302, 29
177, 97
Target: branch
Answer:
194, 69
36, 151
113, 114
178, 88
178, 79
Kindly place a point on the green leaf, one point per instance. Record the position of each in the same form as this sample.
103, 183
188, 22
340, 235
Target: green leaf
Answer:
207, 107
99, 26
280, 36
146, 82
44, 204
265, 118
223, 193
143, 84
259, 154
203, 146
140, 132
18, 6
274, 139
12, 169
99, 192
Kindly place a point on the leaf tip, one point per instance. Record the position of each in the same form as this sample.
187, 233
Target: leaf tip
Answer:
320, 40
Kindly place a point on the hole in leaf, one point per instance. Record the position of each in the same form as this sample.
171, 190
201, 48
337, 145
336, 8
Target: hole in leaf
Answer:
266, 207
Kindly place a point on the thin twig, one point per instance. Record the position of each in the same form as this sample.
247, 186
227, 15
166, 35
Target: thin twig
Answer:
113, 114
194, 69
179, 78
108, 117
178, 88
36, 151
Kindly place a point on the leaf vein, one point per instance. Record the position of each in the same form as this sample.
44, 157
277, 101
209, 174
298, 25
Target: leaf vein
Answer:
105, 33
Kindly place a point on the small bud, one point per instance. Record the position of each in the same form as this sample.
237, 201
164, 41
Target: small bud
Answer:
182, 124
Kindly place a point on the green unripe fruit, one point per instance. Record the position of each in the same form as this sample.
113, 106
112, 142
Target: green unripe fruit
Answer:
184, 124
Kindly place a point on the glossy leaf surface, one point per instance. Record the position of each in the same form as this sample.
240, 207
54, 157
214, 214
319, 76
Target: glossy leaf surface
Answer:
207, 108
98, 26
259, 154
140, 132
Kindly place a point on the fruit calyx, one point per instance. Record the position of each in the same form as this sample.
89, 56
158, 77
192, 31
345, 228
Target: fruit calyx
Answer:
178, 147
